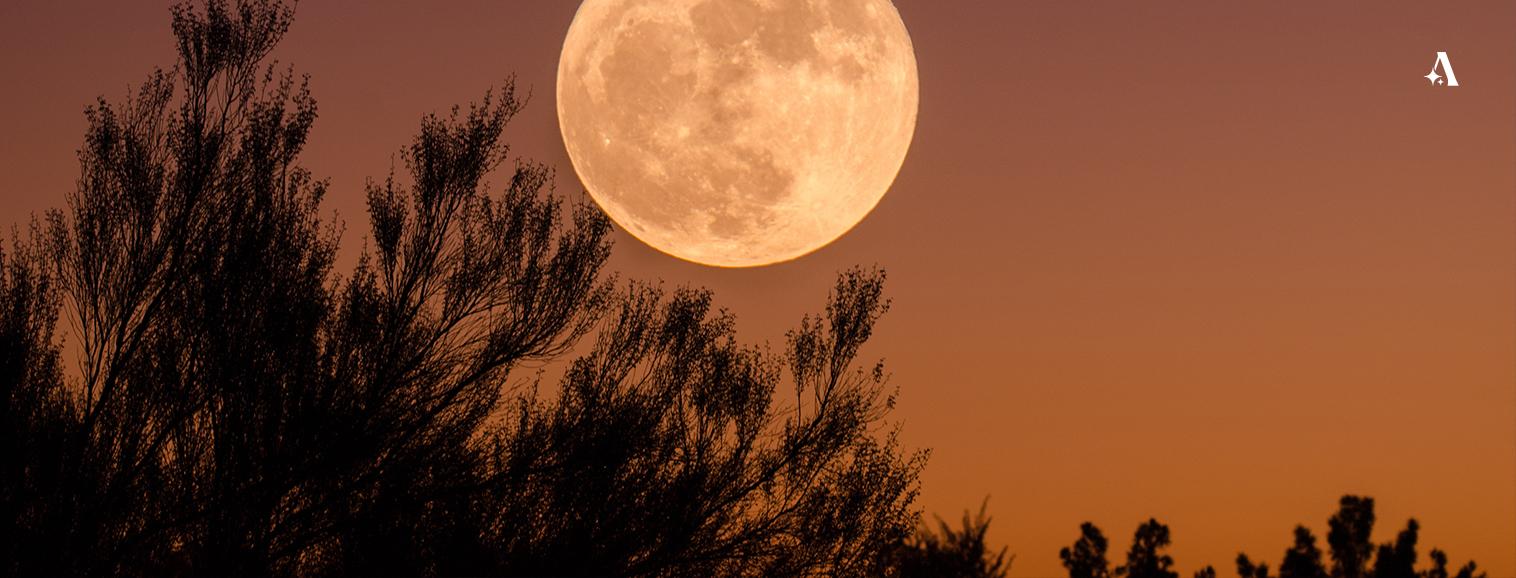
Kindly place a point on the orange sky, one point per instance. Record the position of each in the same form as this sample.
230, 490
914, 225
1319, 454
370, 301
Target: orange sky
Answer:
1216, 263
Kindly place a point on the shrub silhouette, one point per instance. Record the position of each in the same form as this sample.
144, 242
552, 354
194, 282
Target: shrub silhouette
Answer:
242, 408
1246, 568
946, 552
1303, 560
1398, 559
1349, 537
1086, 558
1146, 558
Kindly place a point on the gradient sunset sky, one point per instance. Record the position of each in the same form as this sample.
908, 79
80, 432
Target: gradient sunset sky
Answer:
1214, 263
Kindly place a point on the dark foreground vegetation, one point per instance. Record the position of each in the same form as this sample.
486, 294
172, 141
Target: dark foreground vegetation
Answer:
240, 408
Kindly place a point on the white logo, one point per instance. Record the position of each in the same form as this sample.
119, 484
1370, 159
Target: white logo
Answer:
1447, 71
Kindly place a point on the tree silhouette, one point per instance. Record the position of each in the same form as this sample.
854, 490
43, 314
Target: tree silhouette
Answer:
1246, 568
945, 552
1470, 570
1439, 568
1303, 560
192, 263
464, 288
240, 408
1086, 558
1349, 537
666, 452
35, 413
1350, 528
1146, 559
1398, 559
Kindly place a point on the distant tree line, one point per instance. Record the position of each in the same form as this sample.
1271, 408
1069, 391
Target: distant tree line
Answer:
1352, 553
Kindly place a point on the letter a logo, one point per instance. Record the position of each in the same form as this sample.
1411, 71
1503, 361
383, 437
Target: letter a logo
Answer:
1447, 77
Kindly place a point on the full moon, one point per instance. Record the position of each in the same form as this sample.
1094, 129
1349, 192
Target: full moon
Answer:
737, 133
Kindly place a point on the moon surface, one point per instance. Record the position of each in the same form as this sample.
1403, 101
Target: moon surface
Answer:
737, 133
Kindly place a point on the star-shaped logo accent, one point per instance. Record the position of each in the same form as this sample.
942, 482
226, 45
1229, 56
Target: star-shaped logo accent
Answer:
1434, 77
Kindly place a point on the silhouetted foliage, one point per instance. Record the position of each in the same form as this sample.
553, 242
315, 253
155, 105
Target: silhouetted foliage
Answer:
35, 413
241, 409
1439, 568
1146, 558
1398, 559
946, 552
1352, 523
666, 452
1246, 568
1350, 527
1470, 570
1086, 558
1349, 537
1303, 560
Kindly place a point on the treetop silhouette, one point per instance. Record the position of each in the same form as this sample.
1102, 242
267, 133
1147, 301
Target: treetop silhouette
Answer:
1351, 551
240, 407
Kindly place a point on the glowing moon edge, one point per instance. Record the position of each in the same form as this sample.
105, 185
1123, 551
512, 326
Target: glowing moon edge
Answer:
733, 134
